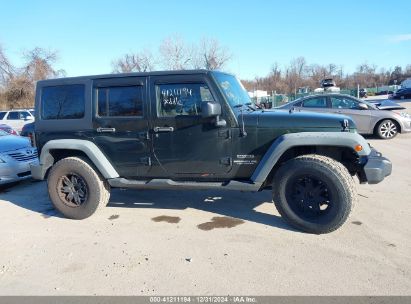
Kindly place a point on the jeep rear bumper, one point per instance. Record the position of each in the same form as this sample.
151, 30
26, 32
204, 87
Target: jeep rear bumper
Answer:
376, 168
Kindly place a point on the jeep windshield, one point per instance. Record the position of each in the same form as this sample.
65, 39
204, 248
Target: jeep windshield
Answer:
233, 90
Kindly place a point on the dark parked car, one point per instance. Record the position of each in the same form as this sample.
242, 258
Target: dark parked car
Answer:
402, 94
28, 130
383, 118
384, 93
328, 82
195, 130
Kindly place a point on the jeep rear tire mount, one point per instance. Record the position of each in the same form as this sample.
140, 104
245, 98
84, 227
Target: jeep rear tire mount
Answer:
314, 193
76, 189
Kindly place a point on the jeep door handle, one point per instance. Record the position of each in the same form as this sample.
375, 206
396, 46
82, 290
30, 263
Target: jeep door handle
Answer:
106, 130
163, 129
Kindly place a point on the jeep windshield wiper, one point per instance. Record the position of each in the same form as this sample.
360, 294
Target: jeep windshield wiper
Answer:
248, 104
253, 106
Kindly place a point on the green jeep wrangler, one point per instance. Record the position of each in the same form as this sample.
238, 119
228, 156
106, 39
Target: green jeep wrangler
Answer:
195, 130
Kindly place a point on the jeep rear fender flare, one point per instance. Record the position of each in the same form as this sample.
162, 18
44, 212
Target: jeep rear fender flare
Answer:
87, 147
292, 140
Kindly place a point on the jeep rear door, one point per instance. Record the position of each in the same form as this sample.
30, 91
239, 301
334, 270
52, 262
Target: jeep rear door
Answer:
186, 145
120, 123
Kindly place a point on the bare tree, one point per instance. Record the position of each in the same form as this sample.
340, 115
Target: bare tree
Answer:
7, 70
175, 54
295, 73
39, 64
19, 83
138, 62
213, 55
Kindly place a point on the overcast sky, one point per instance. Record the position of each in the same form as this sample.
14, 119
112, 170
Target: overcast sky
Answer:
89, 34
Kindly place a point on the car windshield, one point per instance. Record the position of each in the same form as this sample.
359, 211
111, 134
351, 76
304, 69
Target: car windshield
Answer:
369, 104
3, 133
233, 90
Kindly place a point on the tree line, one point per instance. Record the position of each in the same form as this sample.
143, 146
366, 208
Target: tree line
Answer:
175, 54
298, 73
17, 83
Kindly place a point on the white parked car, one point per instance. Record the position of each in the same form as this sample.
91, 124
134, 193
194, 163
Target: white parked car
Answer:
16, 118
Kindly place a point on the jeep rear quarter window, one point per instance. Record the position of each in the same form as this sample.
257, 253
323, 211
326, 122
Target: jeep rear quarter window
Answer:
63, 102
181, 99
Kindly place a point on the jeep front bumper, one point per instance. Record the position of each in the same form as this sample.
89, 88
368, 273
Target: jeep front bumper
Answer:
376, 168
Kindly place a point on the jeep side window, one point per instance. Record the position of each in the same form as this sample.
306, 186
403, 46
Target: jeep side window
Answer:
120, 101
181, 99
63, 102
2, 114
317, 102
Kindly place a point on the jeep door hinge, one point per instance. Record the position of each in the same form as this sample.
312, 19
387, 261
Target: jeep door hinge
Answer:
226, 134
144, 135
146, 161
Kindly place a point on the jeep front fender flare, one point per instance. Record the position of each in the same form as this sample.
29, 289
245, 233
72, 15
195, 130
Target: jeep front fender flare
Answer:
87, 147
287, 141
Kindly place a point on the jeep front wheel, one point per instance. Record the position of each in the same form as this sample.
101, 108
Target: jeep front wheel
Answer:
314, 193
76, 189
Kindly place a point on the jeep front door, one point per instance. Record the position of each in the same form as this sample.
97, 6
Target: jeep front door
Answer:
185, 144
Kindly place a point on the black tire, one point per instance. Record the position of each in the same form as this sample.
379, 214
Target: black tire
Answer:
387, 129
76, 188
327, 207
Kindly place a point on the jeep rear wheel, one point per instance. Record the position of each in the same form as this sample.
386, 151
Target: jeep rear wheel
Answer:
314, 193
76, 189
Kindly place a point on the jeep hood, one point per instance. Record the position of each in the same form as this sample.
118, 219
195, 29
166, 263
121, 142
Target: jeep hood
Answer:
12, 142
296, 121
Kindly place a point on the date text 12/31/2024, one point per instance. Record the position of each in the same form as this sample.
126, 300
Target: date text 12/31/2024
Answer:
203, 299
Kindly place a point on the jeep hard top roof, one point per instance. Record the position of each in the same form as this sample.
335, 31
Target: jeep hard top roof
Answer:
134, 74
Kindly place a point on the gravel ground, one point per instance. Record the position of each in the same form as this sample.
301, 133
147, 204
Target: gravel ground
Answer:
207, 242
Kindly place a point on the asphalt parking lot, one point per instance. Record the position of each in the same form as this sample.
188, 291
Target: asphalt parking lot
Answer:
207, 243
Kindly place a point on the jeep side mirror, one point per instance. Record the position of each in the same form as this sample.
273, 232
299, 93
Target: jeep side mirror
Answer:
362, 106
213, 109
210, 109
